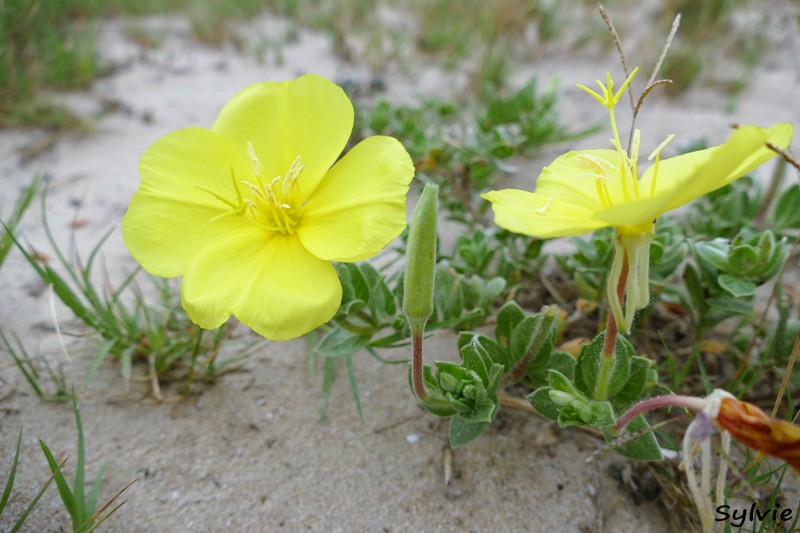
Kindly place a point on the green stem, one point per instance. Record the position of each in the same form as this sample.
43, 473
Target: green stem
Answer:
609, 359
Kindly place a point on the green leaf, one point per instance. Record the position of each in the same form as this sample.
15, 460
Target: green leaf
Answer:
508, 317
730, 306
475, 359
787, 209
522, 335
602, 414
637, 380
641, 448
713, 256
540, 400
339, 342
589, 360
736, 286
463, 432
742, 259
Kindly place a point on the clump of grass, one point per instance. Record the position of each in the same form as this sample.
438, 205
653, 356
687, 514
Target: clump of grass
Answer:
130, 328
44, 45
81, 506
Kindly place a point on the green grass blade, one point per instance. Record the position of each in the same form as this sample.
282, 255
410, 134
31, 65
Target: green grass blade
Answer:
36, 499
102, 351
63, 489
11, 475
327, 383
24, 364
126, 364
96, 519
91, 500
22, 204
77, 490
351, 374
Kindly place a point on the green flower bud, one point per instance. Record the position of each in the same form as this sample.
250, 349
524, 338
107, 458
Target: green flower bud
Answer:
561, 398
448, 382
421, 259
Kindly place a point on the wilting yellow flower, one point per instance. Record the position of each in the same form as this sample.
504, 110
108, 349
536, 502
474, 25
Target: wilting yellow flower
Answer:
751, 426
252, 211
585, 190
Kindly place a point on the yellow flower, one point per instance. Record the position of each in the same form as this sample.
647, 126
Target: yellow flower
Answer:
252, 211
582, 191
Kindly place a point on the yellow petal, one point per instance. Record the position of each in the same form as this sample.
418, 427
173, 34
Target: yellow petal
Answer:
269, 282
184, 175
189, 165
310, 117
163, 234
360, 205
533, 214
573, 176
686, 177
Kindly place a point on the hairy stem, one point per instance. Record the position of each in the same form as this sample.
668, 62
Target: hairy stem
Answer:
416, 365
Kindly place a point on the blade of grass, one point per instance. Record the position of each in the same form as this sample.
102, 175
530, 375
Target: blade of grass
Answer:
77, 490
36, 499
63, 489
24, 364
20, 207
11, 475
351, 374
102, 351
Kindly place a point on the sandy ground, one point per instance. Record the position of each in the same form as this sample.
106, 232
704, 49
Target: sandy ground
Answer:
250, 453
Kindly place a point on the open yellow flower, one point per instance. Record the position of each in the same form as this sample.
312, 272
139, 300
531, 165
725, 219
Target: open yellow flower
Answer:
582, 191
252, 211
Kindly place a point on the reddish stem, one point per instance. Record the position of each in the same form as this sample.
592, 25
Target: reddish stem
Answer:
416, 366
669, 400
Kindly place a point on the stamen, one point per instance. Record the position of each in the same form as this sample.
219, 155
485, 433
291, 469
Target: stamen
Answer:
251, 153
634, 160
661, 146
725, 439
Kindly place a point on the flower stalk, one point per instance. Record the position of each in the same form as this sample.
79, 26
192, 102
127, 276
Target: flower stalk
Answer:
418, 286
609, 359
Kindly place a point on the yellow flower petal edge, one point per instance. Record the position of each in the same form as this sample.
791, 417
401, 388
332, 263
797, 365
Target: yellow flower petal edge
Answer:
539, 216
309, 117
251, 213
270, 283
360, 205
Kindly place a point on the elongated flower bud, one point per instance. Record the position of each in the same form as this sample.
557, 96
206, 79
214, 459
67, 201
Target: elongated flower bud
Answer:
420, 261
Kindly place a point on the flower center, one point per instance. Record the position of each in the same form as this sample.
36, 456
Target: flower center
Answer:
274, 205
